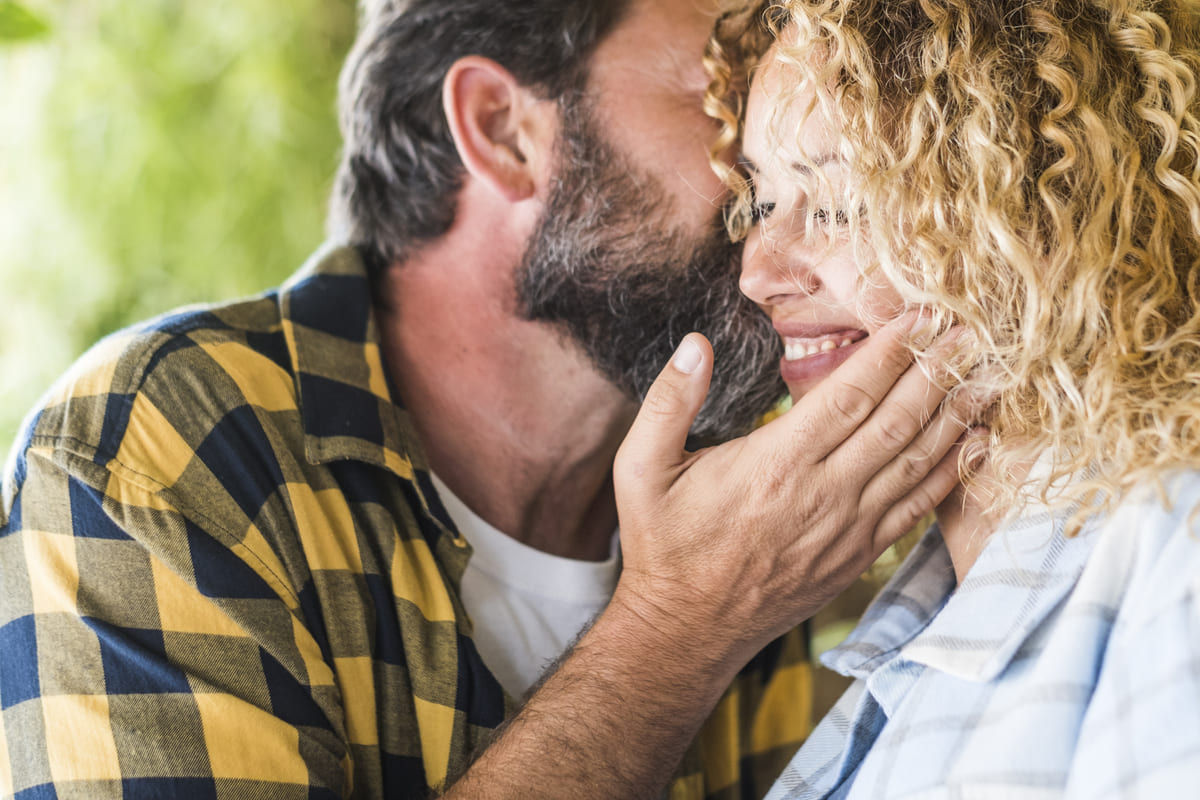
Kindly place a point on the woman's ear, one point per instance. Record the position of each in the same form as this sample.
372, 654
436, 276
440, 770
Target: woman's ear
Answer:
504, 134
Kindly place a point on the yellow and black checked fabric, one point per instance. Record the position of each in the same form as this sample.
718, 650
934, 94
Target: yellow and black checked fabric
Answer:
224, 573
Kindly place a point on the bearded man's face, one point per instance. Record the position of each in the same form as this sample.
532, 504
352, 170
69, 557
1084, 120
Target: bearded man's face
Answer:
611, 265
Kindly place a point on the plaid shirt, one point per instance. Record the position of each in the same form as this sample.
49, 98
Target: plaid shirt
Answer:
1060, 668
224, 572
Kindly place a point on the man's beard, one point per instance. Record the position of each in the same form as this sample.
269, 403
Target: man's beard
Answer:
608, 264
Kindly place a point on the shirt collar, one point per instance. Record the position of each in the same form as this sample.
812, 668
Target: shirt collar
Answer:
972, 632
348, 404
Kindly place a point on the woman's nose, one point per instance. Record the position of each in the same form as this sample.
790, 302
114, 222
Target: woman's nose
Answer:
772, 272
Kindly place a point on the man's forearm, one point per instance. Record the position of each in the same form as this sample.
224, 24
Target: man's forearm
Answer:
612, 721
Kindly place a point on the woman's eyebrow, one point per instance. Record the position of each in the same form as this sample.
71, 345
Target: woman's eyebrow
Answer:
746, 162
820, 161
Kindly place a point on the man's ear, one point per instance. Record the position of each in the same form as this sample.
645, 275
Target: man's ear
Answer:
503, 133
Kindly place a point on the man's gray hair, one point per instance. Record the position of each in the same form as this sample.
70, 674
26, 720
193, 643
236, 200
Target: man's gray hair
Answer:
400, 174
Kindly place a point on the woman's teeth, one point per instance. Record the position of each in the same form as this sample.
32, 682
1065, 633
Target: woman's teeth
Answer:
794, 349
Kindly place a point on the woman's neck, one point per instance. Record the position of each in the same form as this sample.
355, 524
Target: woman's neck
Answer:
964, 517
965, 527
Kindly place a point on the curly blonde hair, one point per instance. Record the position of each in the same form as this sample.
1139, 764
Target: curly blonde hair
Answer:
1029, 170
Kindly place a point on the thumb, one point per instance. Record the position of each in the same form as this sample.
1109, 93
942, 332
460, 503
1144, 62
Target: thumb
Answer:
655, 443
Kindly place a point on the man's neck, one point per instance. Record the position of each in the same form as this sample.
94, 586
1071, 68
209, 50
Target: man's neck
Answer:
511, 415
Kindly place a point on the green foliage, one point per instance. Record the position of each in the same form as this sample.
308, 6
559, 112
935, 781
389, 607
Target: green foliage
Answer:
18, 23
170, 153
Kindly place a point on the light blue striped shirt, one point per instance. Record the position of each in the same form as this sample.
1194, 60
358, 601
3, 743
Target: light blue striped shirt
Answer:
1060, 668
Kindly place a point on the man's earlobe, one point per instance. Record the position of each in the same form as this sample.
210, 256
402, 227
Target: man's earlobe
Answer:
499, 127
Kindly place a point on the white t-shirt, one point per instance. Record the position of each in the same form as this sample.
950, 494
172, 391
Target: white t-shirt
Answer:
527, 606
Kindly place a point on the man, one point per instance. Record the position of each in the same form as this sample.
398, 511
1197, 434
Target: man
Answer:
241, 546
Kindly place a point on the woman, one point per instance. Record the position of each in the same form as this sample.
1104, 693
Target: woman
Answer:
1029, 171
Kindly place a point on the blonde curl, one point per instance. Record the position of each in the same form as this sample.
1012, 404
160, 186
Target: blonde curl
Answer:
1030, 170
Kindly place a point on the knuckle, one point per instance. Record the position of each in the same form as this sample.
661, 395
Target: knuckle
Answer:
914, 466
813, 504
663, 400
894, 351
772, 484
770, 468
852, 403
894, 435
895, 360
904, 516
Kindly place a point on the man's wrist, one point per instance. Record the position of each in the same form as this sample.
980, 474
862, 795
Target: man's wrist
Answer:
677, 639
615, 718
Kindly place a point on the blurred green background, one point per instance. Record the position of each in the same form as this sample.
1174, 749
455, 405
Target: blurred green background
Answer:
154, 153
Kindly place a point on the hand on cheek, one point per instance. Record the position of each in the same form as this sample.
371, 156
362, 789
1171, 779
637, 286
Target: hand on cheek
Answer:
729, 547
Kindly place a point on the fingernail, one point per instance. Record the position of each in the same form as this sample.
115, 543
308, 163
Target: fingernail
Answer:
921, 332
975, 453
687, 357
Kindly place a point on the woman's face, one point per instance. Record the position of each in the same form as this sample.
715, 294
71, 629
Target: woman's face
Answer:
798, 264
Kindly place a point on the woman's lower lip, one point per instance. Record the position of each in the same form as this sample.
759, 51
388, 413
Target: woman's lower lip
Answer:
817, 366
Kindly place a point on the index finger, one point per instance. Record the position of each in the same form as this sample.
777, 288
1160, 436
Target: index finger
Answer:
830, 414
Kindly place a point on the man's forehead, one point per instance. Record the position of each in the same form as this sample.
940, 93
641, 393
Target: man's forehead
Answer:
660, 35
668, 19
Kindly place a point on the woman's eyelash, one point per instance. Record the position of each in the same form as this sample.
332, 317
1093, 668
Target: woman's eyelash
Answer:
822, 216
760, 210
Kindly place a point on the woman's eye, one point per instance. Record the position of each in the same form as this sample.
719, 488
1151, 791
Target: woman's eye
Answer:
759, 208
759, 211
825, 216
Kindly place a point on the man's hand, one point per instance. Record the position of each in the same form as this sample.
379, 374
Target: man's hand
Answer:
723, 550
734, 545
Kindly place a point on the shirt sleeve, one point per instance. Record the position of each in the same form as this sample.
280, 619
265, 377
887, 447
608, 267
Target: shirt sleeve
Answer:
140, 656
